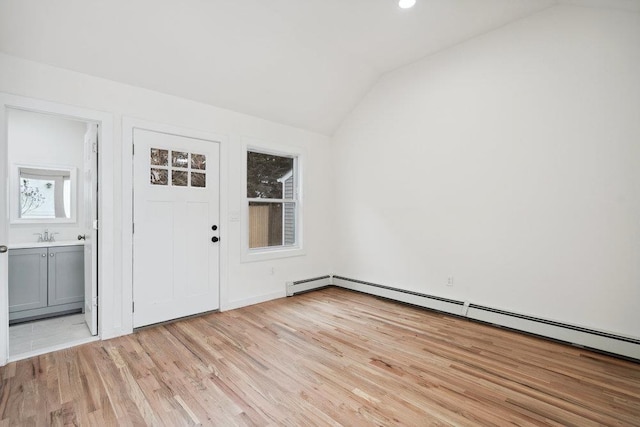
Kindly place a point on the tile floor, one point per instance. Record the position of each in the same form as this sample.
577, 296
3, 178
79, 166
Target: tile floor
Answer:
48, 333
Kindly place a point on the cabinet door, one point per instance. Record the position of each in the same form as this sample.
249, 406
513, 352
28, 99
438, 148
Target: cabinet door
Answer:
27, 279
66, 275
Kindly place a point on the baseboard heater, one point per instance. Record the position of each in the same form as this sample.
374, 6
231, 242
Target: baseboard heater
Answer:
620, 345
308, 285
415, 298
573, 334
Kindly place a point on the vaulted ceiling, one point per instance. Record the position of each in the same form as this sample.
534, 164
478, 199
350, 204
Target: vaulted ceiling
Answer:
304, 63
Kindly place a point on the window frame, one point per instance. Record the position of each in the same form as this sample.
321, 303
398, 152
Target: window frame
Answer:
14, 194
273, 252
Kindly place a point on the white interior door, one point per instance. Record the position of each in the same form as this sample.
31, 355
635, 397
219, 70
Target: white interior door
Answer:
91, 237
176, 213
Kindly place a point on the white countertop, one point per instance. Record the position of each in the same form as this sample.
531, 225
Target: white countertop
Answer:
45, 244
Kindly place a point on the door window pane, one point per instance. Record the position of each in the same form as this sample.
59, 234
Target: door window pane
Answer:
198, 161
179, 159
198, 179
179, 178
159, 176
159, 157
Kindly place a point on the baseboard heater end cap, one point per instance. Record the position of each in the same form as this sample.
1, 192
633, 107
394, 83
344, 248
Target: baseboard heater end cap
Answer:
306, 285
289, 289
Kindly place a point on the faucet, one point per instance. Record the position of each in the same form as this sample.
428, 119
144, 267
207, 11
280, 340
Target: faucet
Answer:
46, 236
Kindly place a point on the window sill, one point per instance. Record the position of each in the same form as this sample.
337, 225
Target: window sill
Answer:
265, 254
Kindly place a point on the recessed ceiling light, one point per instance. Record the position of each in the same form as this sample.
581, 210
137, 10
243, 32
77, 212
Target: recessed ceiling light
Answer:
406, 4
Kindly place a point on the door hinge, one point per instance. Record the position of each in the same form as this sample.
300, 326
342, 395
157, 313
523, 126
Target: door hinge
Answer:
133, 149
95, 147
133, 228
95, 301
133, 307
95, 224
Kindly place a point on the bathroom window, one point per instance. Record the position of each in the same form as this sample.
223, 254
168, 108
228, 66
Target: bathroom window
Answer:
43, 194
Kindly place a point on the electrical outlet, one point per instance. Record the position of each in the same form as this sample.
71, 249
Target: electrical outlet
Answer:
450, 281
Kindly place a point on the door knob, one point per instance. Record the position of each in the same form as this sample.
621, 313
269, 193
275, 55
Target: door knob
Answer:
82, 237
214, 239
214, 227
3, 249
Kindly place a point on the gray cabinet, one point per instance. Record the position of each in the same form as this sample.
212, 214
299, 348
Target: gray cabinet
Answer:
27, 279
45, 282
66, 275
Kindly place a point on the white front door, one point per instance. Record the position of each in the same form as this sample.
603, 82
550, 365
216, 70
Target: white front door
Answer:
176, 220
90, 187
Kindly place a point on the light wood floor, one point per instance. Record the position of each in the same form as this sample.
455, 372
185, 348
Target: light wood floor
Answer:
324, 358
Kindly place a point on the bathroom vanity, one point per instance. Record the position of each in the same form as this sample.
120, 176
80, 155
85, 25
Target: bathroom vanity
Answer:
45, 279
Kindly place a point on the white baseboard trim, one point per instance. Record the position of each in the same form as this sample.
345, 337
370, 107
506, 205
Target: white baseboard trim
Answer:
607, 342
308, 285
232, 305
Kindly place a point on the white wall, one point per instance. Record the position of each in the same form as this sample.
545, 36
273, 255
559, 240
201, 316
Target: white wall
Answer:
509, 162
39, 139
247, 282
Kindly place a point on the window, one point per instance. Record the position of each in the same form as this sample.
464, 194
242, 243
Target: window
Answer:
186, 169
272, 200
44, 194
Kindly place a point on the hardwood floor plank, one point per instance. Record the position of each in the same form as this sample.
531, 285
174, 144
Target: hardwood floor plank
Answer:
330, 357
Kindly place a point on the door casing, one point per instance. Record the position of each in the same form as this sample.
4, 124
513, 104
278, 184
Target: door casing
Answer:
105, 208
128, 126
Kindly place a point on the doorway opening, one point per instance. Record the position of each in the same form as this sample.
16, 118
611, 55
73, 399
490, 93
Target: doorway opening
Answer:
52, 269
